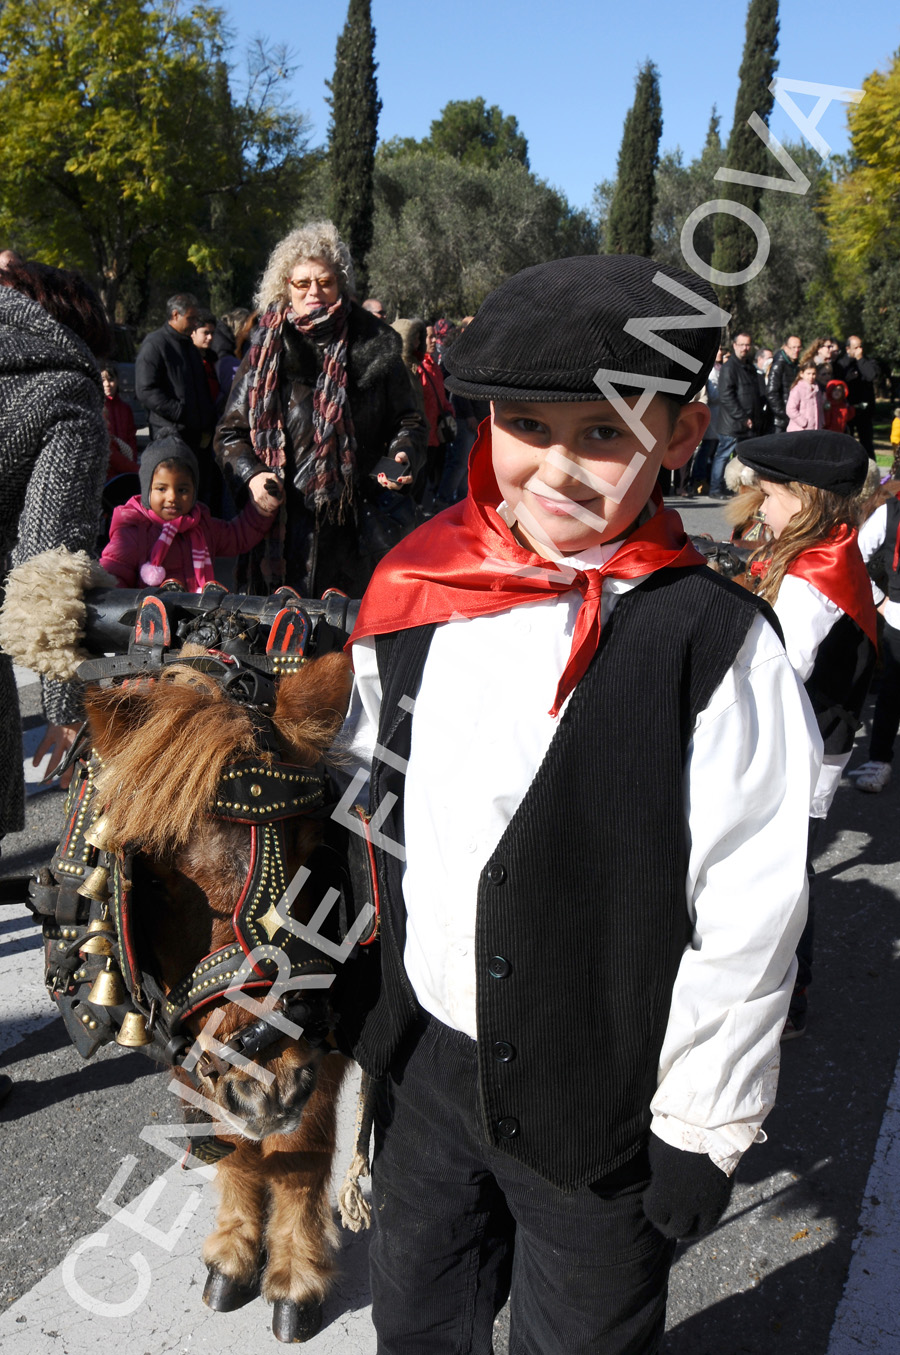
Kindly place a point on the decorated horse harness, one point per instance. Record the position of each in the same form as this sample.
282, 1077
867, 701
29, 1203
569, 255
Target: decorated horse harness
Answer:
96, 970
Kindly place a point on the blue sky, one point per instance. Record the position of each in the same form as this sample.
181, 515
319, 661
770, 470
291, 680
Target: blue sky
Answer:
566, 69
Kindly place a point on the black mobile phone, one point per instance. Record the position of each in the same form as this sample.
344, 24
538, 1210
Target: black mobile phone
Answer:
389, 467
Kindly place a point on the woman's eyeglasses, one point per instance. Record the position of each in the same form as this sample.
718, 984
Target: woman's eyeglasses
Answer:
302, 285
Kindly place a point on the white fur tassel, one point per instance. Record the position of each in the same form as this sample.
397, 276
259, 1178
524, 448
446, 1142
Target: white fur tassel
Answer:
356, 1212
42, 620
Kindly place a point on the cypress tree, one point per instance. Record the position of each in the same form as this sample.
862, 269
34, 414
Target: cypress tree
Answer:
735, 241
631, 211
355, 106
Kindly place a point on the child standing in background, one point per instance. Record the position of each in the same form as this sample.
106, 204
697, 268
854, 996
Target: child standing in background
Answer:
806, 402
815, 579
165, 532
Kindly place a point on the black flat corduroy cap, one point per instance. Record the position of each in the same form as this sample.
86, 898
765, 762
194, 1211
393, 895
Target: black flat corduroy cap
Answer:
828, 460
544, 333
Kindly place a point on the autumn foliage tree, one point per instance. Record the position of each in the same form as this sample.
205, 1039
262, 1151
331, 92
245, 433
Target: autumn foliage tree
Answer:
121, 135
862, 210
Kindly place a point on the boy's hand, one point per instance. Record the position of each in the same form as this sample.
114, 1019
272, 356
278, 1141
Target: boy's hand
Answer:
687, 1194
266, 492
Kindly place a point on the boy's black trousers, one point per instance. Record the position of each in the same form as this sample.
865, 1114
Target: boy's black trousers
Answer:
460, 1227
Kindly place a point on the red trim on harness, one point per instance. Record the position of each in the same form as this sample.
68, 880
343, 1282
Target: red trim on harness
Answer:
373, 869
225, 993
126, 935
254, 849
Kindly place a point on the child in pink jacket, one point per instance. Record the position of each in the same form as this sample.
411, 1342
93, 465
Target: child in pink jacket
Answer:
805, 402
165, 533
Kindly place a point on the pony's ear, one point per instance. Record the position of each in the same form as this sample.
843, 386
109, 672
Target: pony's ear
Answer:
311, 705
114, 715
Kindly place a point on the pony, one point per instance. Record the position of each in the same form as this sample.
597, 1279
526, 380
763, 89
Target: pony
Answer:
163, 748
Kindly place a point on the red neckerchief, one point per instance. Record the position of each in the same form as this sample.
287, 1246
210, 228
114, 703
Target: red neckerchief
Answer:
836, 569
466, 562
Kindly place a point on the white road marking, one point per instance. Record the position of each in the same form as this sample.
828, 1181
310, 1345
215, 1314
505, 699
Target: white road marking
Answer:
25, 1004
867, 1321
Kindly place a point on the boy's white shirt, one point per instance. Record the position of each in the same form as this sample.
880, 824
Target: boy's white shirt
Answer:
752, 766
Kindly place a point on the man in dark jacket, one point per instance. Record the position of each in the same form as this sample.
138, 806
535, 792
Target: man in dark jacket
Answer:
740, 410
782, 374
169, 379
860, 374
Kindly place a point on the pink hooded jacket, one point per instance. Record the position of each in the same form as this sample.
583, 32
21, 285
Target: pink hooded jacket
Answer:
133, 534
805, 407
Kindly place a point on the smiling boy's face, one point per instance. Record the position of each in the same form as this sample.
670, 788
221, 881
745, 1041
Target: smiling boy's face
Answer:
574, 472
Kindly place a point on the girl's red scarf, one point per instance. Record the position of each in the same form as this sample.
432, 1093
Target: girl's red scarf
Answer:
838, 571
153, 572
466, 562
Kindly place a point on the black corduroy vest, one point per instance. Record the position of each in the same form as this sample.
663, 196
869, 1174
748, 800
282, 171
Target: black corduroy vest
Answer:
582, 916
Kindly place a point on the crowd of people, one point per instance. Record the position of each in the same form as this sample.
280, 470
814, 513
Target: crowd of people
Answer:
752, 393
564, 825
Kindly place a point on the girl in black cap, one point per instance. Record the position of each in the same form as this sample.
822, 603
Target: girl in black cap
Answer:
814, 577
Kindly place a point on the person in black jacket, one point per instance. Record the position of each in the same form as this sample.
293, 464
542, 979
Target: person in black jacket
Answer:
782, 375
169, 379
320, 400
860, 374
740, 410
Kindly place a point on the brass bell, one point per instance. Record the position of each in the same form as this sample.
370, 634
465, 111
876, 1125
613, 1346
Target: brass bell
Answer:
107, 990
98, 944
98, 834
96, 886
101, 924
133, 1031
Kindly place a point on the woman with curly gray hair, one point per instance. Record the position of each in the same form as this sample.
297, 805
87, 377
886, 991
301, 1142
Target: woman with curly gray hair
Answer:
320, 399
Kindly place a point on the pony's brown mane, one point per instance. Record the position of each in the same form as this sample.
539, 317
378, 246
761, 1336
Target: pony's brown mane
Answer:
165, 745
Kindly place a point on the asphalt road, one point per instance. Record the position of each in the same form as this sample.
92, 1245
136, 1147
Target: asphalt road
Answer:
769, 1281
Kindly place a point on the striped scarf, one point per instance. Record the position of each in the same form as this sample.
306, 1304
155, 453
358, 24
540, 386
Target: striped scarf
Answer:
153, 572
327, 484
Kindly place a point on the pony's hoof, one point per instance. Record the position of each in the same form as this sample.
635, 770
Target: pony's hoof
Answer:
225, 1295
295, 1322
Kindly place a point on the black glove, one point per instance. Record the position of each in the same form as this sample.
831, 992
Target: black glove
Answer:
687, 1194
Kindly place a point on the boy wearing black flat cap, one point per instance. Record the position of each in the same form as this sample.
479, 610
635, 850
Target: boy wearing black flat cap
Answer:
591, 770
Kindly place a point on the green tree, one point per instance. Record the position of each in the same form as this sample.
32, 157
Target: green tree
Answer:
447, 232
355, 106
119, 131
631, 210
477, 135
735, 242
470, 132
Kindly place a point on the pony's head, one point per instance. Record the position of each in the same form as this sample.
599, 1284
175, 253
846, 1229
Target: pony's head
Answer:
165, 747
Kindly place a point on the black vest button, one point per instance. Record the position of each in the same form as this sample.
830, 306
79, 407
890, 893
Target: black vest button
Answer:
508, 1127
496, 873
503, 1051
498, 968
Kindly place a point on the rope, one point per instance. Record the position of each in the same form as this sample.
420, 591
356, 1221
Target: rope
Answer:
356, 1211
